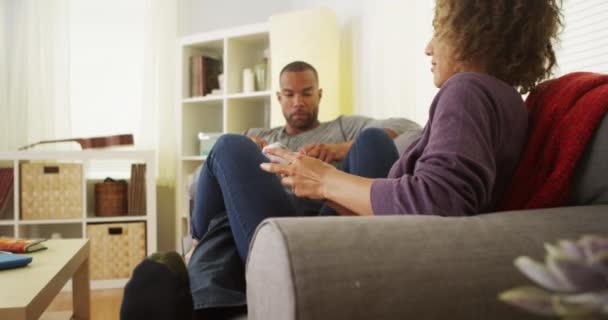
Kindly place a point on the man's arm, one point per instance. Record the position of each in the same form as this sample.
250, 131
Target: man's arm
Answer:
329, 152
391, 133
394, 126
255, 134
261, 142
352, 126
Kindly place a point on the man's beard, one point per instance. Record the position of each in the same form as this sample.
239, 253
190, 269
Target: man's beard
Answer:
304, 122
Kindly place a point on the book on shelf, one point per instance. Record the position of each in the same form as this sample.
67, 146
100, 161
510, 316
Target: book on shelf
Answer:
6, 191
7, 205
16, 245
204, 72
136, 199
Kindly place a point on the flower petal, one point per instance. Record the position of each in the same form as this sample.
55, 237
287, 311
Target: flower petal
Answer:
554, 250
531, 299
592, 245
572, 249
578, 276
594, 300
579, 306
540, 274
599, 263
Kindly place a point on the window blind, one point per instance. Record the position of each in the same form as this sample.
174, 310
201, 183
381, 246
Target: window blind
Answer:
584, 40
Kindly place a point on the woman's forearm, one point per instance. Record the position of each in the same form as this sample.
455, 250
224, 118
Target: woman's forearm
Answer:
350, 191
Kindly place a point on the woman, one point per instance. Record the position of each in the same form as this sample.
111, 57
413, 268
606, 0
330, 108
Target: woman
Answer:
481, 52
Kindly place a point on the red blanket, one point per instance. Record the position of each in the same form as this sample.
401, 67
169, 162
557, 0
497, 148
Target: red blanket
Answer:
563, 115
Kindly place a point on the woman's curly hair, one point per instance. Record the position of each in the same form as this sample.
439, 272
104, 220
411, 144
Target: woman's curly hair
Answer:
512, 39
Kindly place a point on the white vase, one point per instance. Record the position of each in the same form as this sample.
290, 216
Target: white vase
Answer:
248, 80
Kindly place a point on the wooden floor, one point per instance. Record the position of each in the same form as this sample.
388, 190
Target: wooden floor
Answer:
105, 304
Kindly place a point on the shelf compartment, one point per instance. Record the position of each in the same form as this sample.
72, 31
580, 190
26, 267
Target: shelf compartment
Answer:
188, 171
248, 113
245, 52
213, 49
91, 200
64, 230
119, 169
7, 231
184, 225
50, 189
116, 170
116, 248
197, 118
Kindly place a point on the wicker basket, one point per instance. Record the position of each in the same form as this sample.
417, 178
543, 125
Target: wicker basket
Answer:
116, 249
51, 191
111, 198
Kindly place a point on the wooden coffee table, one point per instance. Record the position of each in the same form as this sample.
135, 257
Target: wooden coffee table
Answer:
26, 292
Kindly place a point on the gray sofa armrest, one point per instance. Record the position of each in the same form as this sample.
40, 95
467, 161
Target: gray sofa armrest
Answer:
395, 267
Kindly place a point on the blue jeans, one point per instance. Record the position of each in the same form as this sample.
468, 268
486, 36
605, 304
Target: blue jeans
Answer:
234, 195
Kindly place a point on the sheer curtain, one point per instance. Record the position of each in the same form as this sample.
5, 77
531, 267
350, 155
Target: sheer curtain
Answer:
157, 121
3, 71
123, 62
35, 71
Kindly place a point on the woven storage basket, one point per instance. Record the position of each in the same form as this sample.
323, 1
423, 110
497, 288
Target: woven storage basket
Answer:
116, 249
111, 198
51, 191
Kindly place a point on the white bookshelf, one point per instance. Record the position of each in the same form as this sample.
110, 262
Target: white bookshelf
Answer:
11, 224
232, 111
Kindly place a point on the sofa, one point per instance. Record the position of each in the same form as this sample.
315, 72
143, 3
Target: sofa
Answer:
416, 267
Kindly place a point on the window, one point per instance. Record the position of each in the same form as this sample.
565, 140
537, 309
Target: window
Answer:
106, 66
584, 44
106, 72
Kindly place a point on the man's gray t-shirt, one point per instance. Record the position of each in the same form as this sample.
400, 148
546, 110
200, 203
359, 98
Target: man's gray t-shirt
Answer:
342, 129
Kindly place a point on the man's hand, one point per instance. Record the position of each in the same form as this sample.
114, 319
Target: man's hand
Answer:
261, 142
327, 152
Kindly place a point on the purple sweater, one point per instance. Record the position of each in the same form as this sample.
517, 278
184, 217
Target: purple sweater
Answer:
466, 155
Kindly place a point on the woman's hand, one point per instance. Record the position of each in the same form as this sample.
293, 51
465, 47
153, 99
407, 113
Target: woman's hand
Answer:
306, 176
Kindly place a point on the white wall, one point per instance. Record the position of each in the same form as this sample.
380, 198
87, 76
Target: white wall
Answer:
205, 15
383, 44
315, 44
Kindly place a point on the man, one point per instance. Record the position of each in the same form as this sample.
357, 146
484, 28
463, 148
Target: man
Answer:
330, 141
230, 182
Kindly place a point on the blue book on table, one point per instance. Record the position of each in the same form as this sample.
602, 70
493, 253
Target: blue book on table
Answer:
10, 261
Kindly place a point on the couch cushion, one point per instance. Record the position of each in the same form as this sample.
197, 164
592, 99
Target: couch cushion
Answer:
590, 181
404, 140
